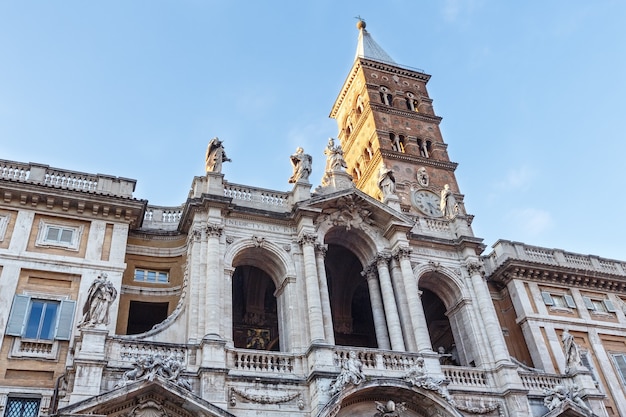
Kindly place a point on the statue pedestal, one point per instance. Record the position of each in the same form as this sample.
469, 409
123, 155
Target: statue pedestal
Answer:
392, 201
89, 362
336, 181
301, 191
92, 343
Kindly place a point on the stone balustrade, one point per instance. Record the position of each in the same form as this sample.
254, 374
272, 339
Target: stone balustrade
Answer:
263, 362
162, 218
257, 197
465, 377
504, 250
64, 179
536, 383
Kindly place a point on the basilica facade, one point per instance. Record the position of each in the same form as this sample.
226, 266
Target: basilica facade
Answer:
365, 295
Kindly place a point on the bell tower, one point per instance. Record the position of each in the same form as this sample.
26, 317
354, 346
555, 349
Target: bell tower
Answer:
385, 117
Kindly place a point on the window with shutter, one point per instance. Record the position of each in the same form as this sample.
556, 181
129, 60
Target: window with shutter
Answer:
620, 363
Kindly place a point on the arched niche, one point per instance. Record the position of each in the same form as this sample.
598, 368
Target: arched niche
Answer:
352, 316
260, 272
451, 321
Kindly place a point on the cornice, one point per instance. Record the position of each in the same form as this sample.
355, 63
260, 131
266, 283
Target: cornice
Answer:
66, 202
513, 269
415, 73
382, 108
450, 166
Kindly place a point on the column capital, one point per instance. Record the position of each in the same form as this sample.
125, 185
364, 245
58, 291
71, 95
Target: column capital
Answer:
214, 229
369, 272
403, 252
307, 239
321, 249
196, 234
382, 257
475, 267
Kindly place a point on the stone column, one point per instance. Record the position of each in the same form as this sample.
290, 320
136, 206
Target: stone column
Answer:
378, 311
403, 308
418, 318
389, 301
214, 278
195, 256
487, 311
316, 322
327, 316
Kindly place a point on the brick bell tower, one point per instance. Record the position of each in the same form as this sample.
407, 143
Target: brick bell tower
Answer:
385, 116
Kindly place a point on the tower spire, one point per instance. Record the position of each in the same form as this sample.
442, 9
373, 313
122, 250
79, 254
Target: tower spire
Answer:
368, 48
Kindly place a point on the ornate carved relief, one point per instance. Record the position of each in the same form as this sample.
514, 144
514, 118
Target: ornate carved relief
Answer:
148, 408
346, 212
351, 373
149, 367
389, 409
418, 376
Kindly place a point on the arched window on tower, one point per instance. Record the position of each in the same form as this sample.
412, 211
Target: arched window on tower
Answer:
411, 102
359, 106
397, 142
425, 147
385, 96
356, 172
348, 126
368, 152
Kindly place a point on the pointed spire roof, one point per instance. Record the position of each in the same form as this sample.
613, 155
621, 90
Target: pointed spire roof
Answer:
368, 48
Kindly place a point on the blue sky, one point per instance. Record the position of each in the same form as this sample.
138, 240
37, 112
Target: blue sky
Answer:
531, 94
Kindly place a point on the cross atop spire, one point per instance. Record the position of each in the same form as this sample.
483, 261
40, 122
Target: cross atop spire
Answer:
368, 48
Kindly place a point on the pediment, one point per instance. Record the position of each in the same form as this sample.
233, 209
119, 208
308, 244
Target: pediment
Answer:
157, 398
567, 409
354, 208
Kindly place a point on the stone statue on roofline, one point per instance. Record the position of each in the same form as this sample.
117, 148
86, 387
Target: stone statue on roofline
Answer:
215, 156
302, 164
334, 157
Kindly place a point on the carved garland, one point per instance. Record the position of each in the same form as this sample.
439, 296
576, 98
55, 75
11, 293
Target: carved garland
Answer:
266, 399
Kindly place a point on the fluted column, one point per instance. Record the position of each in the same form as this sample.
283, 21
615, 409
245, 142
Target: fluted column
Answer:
378, 311
487, 311
327, 316
197, 268
418, 318
389, 301
316, 322
403, 308
214, 278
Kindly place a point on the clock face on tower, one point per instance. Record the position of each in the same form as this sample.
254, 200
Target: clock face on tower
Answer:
427, 202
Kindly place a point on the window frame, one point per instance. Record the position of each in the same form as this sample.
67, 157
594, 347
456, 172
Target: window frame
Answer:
620, 369
4, 223
549, 300
21, 310
44, 231
146, 273
22, 400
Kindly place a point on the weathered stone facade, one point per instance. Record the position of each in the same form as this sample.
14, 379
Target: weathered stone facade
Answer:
367, 295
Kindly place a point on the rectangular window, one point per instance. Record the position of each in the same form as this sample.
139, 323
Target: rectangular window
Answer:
40, 319
558, 300
146, 275
22, 407
620, 364
599, 305
59, 235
